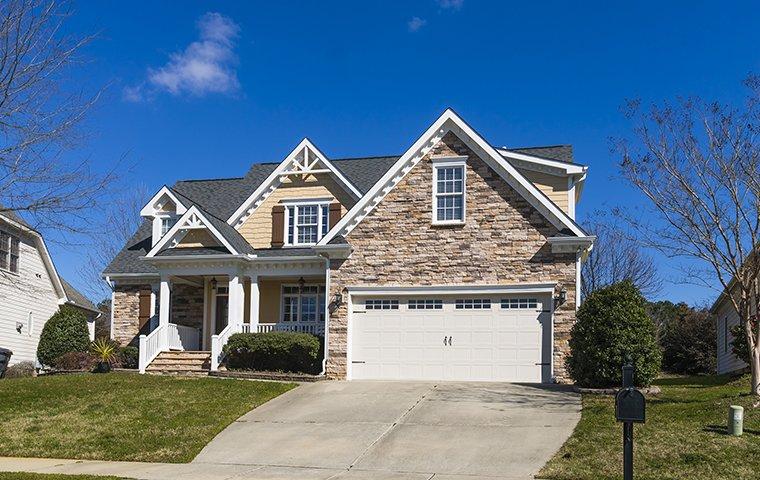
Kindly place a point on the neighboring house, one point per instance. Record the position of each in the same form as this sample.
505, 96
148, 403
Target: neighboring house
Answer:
31, 290
726, 318
453, 261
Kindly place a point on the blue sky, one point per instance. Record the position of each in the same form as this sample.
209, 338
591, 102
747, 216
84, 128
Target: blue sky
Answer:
367, 78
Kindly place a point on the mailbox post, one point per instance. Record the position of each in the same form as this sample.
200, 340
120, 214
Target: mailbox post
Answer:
630, 408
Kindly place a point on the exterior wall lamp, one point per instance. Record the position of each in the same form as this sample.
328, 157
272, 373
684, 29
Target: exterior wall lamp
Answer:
301, 283
561, 298
213, 283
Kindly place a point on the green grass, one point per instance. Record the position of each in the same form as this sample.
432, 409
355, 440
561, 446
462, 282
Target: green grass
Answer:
122, 416
683, 438
50, 476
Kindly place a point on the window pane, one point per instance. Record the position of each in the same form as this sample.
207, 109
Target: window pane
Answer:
291, 224
4, 249
308, 309
289, 309
325, 219
307, 234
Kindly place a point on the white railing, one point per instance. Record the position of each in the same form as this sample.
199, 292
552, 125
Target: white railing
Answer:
219, 341
150, 347
316, 328
266, 327
182, 337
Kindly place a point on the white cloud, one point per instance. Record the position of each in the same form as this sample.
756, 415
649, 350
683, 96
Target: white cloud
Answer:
415, 24
450, 4
206, 66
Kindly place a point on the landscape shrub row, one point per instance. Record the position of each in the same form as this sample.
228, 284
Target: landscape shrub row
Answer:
274, 352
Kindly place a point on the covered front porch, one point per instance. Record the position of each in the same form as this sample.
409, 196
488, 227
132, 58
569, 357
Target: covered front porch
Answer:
199, 311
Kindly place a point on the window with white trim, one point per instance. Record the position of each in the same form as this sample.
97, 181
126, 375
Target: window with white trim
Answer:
448, 192
305, 304
9, 251
306, 223
381, 304
515, 303
473, 304
426, 304
166, 224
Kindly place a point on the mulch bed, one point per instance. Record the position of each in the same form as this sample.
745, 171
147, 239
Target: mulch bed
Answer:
279, 376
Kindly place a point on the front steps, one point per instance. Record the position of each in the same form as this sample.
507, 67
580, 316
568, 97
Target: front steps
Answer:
187, 363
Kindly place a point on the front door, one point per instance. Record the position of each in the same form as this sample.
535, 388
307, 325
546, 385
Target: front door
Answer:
221, 309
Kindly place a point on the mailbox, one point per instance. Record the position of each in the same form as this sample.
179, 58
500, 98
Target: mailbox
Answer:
630, 405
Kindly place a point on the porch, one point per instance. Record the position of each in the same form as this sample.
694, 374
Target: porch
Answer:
198, 313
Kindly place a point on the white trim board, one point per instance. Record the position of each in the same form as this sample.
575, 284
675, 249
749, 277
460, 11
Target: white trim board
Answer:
193, 219
149, 209
362, 291
449, 121
291, 165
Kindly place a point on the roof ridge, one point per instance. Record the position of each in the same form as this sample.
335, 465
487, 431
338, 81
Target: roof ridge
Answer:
539, 146
209, 179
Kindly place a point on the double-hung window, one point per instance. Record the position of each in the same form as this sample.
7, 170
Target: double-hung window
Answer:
166, 224
306, 223
449, 190
9, 251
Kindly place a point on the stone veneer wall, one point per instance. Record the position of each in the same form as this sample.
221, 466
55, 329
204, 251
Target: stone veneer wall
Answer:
502, 242
187, 309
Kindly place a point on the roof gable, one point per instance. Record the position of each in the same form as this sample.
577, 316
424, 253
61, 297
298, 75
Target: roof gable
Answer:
304, 160
449, 121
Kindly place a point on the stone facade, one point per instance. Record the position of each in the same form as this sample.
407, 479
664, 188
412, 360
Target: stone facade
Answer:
503, 241
126, 310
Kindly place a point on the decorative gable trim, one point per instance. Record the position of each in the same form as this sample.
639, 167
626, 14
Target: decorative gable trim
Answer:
154, 204
193, 219
303, 161
449, 121
538, 164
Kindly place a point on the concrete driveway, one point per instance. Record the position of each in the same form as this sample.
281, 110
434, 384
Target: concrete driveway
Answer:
400, 430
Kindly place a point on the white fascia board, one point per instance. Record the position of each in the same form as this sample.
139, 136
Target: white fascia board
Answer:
273, 180
109, 276
449, 121
363, 291
568, 168
50, 267
179, 226
149, 211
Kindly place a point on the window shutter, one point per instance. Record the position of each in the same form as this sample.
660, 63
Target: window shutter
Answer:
334, 213
144, 311
278, 225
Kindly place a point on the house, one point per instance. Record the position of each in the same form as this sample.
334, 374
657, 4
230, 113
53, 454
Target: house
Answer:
31, 290
456, 260
726, 319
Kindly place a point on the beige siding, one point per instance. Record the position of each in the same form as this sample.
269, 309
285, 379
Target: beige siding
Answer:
270, 293
257, 229
554, 187
198, 238
30, 292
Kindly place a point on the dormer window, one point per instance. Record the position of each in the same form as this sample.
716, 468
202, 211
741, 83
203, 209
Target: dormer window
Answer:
166, 224
307, 222
163, 209
449, 190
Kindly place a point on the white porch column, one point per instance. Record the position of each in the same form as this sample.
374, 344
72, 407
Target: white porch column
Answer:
236, 299
163, 310
254, 303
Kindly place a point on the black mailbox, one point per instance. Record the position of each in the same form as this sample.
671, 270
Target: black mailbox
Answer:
630, 405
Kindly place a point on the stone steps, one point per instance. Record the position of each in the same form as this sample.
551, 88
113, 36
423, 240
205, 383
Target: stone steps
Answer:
180, 363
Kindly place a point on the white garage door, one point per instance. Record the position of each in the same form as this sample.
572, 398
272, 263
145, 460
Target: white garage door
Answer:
484, 338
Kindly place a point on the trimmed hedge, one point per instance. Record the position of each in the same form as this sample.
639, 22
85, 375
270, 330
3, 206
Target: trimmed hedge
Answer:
612, 325
65, 332
129, 357
274, 352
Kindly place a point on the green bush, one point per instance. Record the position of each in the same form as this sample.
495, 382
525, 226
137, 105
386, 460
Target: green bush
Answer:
739, 345
612, 326
274, 352
20, 370
688, 342
65, 332
129, 356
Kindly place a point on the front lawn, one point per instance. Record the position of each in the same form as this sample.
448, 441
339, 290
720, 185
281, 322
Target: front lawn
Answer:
122, 416
683, 438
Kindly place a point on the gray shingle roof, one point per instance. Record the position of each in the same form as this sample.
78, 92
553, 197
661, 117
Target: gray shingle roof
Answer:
76, 297
219, 198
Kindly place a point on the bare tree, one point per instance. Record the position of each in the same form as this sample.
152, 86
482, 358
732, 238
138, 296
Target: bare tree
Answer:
40, 118
121, 221
698, 164
616, 257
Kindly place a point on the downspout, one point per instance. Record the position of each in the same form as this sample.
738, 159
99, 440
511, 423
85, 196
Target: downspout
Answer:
327, 313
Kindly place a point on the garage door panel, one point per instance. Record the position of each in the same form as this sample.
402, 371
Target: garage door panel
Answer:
489, 344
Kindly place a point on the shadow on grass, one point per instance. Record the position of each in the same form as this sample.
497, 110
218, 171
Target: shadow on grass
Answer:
723, 430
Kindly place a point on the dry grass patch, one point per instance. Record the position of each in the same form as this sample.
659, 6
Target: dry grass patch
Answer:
122, 416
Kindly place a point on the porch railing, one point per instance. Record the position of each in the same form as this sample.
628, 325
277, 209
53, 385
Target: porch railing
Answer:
182, 337
150, 347
219, 341
316, 328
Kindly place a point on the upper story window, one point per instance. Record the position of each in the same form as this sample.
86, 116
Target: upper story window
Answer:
9, 251
306, 223
166, 224
449, 190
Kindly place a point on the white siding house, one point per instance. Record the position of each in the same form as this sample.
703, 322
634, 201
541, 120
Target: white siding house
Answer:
30, 289
726, 318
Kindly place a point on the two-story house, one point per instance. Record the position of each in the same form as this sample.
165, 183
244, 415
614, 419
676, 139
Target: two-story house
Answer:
454, 261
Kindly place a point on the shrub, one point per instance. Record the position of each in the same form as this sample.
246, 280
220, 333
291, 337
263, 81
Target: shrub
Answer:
612, 326
688, 342
20, 370
129, 357
274, 351
83, 361
739, 345
106, 353
65, 332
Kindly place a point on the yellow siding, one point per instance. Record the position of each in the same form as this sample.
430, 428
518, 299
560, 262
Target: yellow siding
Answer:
270, 292
554, 187
257, 229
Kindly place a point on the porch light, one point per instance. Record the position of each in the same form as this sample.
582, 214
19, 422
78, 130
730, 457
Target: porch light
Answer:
213, 283
561, 298
301, 283
338, 298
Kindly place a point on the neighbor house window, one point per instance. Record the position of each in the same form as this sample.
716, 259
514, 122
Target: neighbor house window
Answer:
448, 191
9, 251
725, 334
306, 223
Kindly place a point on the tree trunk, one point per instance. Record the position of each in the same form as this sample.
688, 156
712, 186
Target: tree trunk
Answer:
755, 366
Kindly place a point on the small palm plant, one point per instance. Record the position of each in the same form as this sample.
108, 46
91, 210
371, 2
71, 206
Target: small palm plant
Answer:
105, 352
